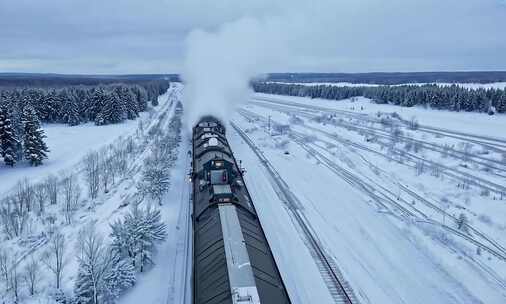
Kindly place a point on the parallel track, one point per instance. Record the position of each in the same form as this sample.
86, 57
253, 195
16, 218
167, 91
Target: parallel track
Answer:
470, 179
381, 133
493, 143
339, 289
383, 197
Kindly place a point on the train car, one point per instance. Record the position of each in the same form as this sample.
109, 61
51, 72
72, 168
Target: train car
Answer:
232, 260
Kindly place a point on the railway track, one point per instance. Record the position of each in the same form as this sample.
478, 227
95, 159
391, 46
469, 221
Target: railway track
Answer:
459, 175
493, 143
384, 197
489, 163
338, 288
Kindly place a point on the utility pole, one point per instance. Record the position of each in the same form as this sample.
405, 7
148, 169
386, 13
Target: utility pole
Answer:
269, 125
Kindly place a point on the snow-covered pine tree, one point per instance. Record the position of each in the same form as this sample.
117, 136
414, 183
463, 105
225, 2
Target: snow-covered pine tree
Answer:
119, 278
132, 106
8, 141
155, 180
135, 235
128, 100
83, 287
51, 107
70, 110
111, 111
35, 148
141, 97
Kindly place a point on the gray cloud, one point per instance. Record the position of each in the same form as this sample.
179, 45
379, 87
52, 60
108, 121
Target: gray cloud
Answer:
127, 36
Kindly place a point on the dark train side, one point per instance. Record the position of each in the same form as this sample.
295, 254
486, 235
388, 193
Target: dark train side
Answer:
232, 261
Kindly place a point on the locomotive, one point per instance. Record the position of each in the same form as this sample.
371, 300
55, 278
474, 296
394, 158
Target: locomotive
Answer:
232, 260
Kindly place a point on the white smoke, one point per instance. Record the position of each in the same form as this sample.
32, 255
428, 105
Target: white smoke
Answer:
220, 64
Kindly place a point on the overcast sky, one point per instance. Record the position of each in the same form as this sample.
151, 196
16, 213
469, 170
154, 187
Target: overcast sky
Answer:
134, 36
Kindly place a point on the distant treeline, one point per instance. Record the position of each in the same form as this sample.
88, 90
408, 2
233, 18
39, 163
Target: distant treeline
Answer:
454, 98
392, 78
61, 80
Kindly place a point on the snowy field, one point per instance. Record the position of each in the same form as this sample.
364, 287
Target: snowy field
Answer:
67, 146
410, 214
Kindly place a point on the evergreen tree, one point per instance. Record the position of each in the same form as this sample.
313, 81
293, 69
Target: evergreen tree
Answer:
70, 110
120, 278
35, 148
135, 235
112, 110
9, 144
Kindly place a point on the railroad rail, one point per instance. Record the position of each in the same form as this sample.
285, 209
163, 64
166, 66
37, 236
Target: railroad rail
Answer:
339, 289
383, 196
493, 143
445, 170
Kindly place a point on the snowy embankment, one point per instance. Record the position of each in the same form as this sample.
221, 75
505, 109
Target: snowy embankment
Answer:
410, 215
69, 145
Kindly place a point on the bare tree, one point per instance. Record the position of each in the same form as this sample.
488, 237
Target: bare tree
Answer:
131, 147
107, 172
24, 195
420, 167
436, 170
55, 257
40, 194
413, 123
71, 194
9, 274
92, 169
51, 183
466, 151
4, 268
32, 273
13, 216
14, 279
119, 160
95, 261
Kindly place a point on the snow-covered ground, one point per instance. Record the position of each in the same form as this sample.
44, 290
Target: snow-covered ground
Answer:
386, 211
383, 199
68, 146
469, 122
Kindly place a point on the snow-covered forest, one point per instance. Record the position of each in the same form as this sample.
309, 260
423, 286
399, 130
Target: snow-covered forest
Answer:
451, 97
83, 235
23, 109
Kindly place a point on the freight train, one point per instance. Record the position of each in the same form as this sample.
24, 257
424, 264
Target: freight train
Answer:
232, 260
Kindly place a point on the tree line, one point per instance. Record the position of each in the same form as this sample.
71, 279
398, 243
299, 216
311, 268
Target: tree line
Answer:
23, 109
453, 97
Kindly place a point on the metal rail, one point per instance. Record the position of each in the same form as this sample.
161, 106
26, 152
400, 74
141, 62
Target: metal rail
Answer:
445, 170
494, 143
380, 133
381, 198
339, 289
